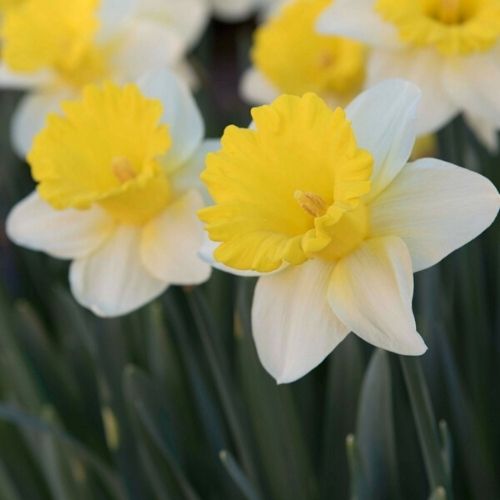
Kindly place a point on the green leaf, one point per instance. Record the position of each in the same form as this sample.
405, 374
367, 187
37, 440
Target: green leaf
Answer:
8, 489
231, 403
238, 476
439, 494
346, 368
155, 427
201, 392
426, 423
39, 427
375, 432
358, 481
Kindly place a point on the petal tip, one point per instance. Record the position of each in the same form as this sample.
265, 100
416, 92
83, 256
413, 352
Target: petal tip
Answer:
417, 347
284, 379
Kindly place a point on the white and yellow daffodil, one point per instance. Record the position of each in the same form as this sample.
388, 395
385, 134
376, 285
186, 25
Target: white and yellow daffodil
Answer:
55, 47
323, 205
290, 57
118, 190
449, 48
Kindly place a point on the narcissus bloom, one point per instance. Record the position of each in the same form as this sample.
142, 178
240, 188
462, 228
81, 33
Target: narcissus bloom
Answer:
323, 206
290, 57
118, 178
449, 48
55, 47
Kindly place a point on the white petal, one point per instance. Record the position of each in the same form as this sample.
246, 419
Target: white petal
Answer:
424, 68
170, 243
473, 83
383, 119
256, 89
187, 74
293, 326
65, 234
188, 175
435, 207
180, 113
187, 18
10, 80
358, 19
113, 281
145, 46
485, 131
271, 8
30, 116
371, 292
113, 15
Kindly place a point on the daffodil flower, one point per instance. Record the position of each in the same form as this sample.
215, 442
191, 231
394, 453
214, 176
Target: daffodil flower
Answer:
290, 57
449, 48
118, 191
323, 205
55, 47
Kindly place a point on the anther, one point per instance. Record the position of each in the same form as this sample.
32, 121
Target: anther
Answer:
123, 169
312, 203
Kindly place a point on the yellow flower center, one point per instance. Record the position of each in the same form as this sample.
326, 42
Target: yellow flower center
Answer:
105, 149
54, 35
453, 27
289, 190
296, 59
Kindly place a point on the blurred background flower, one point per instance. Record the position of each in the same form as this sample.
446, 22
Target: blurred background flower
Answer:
290, 57
450, 49
53, 49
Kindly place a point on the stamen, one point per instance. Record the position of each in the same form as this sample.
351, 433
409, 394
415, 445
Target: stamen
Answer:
326, 60
312, 203
123, 169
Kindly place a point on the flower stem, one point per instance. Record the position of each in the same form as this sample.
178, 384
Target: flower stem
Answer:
426, 424
223, 383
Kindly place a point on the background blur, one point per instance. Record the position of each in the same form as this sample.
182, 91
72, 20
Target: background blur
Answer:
171, 402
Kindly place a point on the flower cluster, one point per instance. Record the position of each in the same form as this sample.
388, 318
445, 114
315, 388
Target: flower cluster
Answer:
318, 197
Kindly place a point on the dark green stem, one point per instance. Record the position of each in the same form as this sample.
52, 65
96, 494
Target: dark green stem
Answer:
222, 380
425, 421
